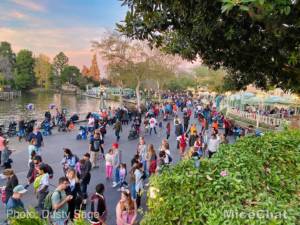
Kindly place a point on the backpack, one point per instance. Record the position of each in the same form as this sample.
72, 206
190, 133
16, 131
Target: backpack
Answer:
170, 158
48, 201
49, 170
76, 159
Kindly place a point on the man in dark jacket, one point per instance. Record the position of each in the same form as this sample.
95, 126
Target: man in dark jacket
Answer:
85, 175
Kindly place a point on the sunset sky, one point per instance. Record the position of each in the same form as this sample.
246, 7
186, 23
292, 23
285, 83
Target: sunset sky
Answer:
51, 26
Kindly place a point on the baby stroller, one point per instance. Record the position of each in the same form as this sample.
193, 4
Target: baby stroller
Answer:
12, 129
82, 133
133, 134
46, 127
61, 123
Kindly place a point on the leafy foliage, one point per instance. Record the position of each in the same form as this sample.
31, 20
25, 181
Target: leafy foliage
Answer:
261, 178
31, 218
213, 80
24, 73
59, 62
181, 83
257, 41
43, 70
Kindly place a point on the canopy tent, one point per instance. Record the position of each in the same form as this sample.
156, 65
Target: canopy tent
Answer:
253, 101
278, 100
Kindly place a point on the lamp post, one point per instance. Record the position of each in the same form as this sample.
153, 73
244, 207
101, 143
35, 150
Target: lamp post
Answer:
102, 102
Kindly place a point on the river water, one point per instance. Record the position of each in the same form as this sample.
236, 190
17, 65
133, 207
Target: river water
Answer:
41, 101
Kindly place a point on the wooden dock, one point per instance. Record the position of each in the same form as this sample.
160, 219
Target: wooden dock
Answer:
9, 95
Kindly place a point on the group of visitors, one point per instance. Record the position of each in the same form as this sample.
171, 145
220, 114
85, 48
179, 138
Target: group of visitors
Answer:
196, 138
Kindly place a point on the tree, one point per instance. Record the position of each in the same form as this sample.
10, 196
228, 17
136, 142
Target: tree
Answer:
7, 60
213, 80
24, 74
6, 67
43, 69
59, 62
70, 74
127, 61
256, 41
6, 51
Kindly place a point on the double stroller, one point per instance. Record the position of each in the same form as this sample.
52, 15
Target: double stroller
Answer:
83, 132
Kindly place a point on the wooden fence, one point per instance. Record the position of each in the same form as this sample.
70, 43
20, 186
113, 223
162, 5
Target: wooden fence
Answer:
9, 95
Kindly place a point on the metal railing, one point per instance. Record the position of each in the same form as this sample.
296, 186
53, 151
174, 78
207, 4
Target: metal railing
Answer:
255, 117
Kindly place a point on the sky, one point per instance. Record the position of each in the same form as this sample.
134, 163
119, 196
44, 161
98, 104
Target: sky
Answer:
51, 26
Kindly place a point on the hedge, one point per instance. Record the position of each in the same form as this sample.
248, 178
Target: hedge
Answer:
254, 181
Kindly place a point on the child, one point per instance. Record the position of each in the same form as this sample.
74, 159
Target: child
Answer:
32, 148
109, 164
78, 166
122, 174
182, 144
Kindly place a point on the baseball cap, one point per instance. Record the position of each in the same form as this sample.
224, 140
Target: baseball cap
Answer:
115, 145
20, 189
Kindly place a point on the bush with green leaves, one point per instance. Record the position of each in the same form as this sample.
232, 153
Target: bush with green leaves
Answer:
254, 181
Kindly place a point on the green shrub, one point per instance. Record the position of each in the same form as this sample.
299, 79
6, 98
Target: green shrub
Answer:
262, 174
31, 218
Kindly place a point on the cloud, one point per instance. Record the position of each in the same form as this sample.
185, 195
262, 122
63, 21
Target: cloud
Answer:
74, 42
28, 4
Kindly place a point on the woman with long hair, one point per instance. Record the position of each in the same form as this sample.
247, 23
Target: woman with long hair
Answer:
152, 159
74, 190
126, 210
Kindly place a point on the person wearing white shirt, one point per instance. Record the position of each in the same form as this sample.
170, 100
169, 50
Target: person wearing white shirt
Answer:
213, 145
152, 123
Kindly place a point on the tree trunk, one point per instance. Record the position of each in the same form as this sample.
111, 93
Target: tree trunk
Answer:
138, 96
121, 95
158, 90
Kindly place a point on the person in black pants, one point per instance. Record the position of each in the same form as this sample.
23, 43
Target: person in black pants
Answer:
85, 176
74, 190
98, 206
12, 182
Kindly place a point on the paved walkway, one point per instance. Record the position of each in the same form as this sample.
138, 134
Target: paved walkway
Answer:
52, 154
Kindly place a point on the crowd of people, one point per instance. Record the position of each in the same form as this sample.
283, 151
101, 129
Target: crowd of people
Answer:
196, 127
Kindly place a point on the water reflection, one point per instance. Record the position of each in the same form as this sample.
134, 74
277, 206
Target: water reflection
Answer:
16, 109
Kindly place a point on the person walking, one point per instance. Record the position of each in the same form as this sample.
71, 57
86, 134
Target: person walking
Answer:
36, 134
126, 210
118, 129
138, 173
142, 152
96, 143
98, 206
152, 159
116, 165
2, 145
14, 204
109, 157
213, 145
153, 124
41, 185
11, 183
85, 176
69, 160
74, 190
59, 201
168, 129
